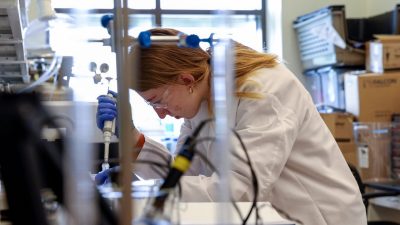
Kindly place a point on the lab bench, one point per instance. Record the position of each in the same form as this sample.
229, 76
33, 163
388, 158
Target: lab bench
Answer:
203, 213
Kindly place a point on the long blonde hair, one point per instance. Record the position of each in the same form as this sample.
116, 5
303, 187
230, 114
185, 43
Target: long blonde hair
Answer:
162, 64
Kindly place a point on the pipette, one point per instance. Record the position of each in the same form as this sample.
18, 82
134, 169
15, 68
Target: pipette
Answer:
108, 131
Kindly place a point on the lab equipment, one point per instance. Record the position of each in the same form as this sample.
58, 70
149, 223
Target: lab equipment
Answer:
192, 41
13, 63
145, 39
326, 86
322, 37
108, 131
37, 163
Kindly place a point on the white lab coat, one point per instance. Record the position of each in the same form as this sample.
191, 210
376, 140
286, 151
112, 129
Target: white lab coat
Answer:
299, 166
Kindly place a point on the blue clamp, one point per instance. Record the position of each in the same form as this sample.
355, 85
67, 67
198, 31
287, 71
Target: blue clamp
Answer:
192, 41
209, 40
105, 20
144, 39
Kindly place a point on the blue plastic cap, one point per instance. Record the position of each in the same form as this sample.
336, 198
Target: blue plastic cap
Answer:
193, 41
144, 39
105, 20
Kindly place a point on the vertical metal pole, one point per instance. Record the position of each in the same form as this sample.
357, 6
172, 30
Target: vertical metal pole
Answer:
125, 118
78, 187
80, 193
222, 85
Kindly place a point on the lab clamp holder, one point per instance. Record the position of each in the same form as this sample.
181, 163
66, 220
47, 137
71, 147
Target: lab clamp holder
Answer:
145, 39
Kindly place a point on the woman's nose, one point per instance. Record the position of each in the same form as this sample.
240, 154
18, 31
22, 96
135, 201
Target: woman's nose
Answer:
162, 113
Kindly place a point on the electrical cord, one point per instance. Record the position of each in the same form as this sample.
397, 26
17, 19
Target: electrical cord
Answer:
212, 167
254, 177
208, 162
254, 180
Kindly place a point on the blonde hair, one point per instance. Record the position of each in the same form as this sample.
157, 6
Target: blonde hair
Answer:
162, 64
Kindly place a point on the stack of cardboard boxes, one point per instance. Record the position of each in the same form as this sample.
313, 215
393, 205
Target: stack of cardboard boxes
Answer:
342, 75
372, 98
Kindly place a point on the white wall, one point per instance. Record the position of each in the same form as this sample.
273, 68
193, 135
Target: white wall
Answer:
292, 9
375, 7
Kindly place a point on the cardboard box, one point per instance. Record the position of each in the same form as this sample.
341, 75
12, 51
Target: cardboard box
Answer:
383, 53
373, 97
340, 125
349, 151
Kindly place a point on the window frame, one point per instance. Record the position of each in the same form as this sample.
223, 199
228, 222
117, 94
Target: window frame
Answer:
157, 12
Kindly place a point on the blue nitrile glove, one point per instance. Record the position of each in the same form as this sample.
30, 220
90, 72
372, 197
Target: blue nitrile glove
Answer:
110, 175
107, 110
104, 177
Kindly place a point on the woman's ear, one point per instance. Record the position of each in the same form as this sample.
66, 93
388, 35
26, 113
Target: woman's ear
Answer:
187, 79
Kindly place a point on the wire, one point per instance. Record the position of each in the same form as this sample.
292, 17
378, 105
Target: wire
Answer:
255, 182
212, 167
201, 155
254, 179
208, 162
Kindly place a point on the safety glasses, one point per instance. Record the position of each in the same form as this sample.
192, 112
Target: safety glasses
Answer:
160, 104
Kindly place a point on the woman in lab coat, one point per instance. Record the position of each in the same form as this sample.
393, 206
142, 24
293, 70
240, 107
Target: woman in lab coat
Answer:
298, 164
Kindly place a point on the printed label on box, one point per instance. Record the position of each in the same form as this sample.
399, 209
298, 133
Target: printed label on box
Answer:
363, 156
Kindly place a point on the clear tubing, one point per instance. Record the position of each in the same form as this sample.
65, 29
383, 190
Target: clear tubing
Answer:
52, 71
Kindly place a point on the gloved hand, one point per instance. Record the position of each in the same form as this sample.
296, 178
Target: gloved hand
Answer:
107, 110
110, 175
105, 177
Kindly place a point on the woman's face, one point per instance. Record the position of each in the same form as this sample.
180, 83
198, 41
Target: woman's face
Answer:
176, 100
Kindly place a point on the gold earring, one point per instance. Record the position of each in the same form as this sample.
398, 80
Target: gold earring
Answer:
190, 90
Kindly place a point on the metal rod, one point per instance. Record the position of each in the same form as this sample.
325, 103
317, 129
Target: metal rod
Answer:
165, 38
123, 78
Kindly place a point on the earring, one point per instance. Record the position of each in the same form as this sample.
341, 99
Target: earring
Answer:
191, 90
